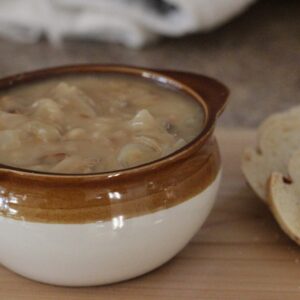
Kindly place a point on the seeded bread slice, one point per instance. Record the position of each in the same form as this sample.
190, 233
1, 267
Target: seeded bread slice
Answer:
284, 198
277, 139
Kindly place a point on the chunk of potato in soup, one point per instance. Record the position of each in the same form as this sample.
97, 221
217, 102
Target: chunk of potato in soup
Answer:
94, 123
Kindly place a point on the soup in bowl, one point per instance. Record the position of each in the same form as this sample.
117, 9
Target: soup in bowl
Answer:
106, 172
94, 123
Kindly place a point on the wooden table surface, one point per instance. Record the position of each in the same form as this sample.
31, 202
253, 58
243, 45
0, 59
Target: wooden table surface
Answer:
240, 253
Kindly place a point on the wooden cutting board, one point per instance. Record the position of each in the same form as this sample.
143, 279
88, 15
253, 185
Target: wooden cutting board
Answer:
240, 253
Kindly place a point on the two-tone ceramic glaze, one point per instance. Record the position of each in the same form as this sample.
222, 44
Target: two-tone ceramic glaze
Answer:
93, 229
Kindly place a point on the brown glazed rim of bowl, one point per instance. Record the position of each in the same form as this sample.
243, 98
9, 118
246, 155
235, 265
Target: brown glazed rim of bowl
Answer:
176, 79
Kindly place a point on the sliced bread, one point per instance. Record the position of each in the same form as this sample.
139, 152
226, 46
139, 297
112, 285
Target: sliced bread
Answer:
284, 198
278, 138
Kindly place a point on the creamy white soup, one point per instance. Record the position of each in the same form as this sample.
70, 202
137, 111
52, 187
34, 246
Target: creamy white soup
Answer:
92, 123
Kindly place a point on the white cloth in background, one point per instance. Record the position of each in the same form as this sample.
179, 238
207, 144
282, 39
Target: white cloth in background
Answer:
130, 22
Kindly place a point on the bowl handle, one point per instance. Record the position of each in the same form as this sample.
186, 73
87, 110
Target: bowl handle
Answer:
213, 92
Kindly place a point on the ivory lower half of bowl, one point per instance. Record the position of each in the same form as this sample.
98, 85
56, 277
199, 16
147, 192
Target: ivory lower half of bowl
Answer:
103, 252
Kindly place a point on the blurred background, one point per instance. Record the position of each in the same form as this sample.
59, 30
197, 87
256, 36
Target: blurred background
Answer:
252, 46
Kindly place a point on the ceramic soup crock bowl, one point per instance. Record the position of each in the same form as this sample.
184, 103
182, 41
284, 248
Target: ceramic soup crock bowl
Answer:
92, 229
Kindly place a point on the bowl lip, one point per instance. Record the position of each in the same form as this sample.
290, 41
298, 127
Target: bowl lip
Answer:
146, 73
